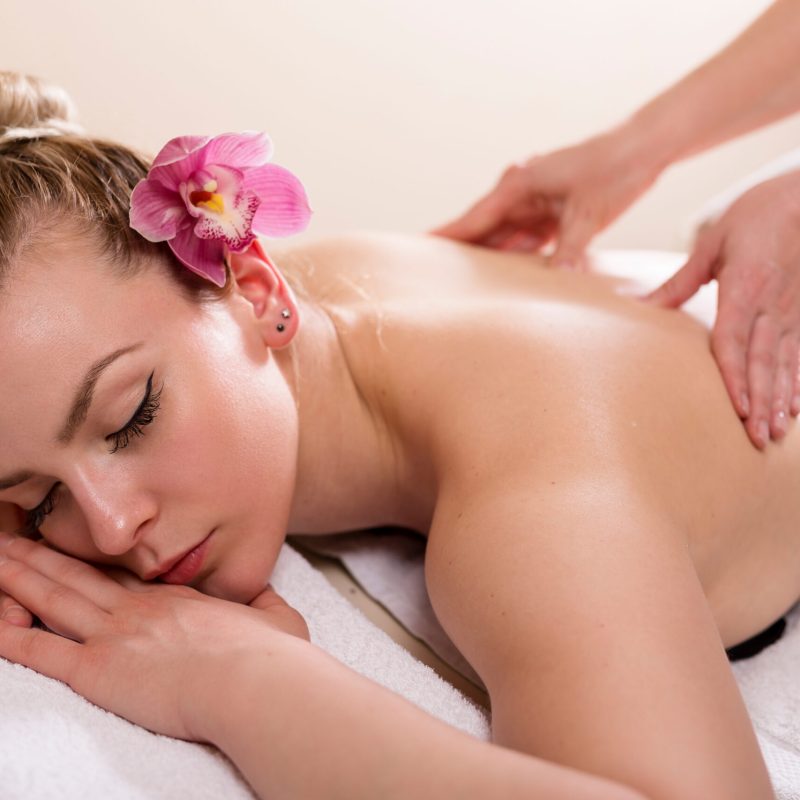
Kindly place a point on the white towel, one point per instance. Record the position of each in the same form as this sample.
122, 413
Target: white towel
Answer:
55, 744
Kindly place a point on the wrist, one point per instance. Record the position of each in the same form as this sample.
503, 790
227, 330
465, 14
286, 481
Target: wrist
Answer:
220, 689
649, 145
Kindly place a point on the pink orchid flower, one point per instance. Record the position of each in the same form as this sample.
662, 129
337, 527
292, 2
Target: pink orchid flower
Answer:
209, 196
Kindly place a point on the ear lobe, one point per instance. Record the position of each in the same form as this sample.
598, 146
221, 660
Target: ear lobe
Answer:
260, 282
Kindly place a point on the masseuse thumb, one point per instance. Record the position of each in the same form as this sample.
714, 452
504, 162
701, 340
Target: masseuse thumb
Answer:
683, 284
577, 230
479, 221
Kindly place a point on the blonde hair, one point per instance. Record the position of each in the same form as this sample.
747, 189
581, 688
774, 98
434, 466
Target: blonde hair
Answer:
53, 176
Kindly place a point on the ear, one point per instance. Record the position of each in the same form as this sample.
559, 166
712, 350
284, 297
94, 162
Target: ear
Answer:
260, 282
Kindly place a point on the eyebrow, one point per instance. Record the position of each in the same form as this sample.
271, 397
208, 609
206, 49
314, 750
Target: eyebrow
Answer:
81, 402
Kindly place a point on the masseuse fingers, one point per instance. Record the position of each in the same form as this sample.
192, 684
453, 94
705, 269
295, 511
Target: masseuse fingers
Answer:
697, 271
762, 363
730, 341
62, 608
579, 223
784, 384
477, 222
514, 201
795, 407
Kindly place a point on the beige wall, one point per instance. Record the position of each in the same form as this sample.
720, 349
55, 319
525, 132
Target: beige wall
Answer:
394, 113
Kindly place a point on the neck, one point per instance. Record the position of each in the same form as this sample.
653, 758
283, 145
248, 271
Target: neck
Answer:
351, 464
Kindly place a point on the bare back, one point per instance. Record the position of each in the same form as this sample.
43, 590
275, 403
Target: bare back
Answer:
494, 363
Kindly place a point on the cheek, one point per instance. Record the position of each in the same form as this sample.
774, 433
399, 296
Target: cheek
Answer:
70, 535
236, 443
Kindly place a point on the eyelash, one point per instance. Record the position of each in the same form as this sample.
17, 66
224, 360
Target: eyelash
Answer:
143, 415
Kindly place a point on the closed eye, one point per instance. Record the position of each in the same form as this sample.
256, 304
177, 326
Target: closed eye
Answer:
144, 415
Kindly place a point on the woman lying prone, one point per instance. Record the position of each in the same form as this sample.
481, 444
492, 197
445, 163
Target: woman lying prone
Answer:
595, 514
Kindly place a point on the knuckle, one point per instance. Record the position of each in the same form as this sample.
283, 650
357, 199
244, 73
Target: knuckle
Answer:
59, 594
764, 357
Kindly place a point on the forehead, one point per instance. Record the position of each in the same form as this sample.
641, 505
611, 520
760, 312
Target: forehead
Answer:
62, 310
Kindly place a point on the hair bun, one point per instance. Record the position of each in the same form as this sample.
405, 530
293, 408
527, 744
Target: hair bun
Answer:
31, 108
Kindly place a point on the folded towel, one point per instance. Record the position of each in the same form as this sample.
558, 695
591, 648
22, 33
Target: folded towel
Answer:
55, 744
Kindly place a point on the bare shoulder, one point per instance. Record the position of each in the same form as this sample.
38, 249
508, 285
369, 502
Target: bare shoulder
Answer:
579, 606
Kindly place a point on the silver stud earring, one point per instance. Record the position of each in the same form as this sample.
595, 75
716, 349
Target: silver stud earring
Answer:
285, 314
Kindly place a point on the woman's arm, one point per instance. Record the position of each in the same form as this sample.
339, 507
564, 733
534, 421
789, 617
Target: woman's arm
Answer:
296, 722
579, 606
755, 80
301, 725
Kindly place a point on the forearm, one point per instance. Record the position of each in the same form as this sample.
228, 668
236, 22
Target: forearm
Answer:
755, 80
301, 725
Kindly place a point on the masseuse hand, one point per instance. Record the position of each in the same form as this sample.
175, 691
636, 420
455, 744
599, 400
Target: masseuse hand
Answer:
152, 653
569, 195
753, 251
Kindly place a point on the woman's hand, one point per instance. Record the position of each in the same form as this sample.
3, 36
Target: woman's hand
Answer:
152, 653
10, 609
570, 194
753, 250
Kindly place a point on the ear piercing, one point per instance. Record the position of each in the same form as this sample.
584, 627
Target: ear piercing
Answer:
285, 314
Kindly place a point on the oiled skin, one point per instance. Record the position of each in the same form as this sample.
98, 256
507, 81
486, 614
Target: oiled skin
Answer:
600, 383
599, 525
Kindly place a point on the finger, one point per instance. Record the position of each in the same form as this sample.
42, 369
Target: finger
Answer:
287, 618
61, 608
697, 271
532, 236
762, 362
478, 221
577, 228
11, 611
730, 342
784, 384
498, 238
795, 407
45, 652
521, 242
72, 572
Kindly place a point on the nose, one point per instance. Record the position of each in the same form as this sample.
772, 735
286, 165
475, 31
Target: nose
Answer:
115, 506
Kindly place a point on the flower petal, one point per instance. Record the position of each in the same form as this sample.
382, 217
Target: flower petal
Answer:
178, 159
178, 148
155, 211
206, 257
284, 208
246, 149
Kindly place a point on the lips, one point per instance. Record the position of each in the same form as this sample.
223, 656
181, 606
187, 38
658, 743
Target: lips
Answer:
185, 567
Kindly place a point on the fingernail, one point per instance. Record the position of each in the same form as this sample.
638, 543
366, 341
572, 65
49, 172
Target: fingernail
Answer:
745, 404
763, 432
780, 422
5, 538
13, 612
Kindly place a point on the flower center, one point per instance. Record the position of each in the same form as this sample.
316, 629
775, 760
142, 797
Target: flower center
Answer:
208, 198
